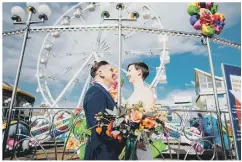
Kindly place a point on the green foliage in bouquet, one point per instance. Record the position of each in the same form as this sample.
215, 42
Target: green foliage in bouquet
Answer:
135, 125
157, 147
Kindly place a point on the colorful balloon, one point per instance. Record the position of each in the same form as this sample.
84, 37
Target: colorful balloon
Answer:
202, 4
214, 9
204, 17
209, 5
192, 10
194, 19
207, 30
197, 25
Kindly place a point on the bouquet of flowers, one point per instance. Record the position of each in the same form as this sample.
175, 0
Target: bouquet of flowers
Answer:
135, 125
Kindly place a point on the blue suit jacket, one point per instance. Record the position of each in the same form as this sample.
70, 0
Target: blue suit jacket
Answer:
99, 147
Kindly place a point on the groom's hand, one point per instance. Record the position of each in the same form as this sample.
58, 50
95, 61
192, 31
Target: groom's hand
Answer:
141, 145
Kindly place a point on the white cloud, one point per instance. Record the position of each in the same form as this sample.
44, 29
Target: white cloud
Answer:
173, 16
168, 99
190, 84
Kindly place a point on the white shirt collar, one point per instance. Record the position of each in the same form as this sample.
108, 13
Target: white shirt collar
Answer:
104, 86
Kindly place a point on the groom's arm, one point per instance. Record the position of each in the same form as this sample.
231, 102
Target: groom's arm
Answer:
97, 103
94, 102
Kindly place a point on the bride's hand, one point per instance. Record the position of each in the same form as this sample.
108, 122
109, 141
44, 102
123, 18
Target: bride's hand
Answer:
141, 145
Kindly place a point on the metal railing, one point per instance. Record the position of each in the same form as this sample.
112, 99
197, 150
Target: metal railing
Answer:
44, 133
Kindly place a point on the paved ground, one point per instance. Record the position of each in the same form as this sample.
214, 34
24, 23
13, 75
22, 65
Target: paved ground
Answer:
50, 152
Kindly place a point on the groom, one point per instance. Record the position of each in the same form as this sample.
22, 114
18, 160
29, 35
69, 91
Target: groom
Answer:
97, 99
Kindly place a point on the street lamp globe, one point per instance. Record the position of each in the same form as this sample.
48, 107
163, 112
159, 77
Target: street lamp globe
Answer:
17, 13
44, 12
32, 6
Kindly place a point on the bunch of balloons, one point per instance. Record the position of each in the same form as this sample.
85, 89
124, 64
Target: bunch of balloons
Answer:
204, 17
114, 88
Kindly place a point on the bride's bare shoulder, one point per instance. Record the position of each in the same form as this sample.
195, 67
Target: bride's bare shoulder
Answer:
148, 91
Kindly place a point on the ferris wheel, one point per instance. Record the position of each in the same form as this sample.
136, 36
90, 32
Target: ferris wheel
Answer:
66, 57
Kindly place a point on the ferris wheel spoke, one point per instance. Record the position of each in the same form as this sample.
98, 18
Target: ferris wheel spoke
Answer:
84, 91
99, 36
74, 84
66, 69
103, 43
72, 80
71, 88
104, 49
104, 46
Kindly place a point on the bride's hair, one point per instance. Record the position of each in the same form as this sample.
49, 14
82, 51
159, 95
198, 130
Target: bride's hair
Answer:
96, 66
141, 66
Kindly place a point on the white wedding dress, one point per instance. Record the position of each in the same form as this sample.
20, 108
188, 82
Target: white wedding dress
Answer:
141, 154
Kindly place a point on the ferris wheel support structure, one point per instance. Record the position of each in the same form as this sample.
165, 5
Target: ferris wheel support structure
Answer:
75, 28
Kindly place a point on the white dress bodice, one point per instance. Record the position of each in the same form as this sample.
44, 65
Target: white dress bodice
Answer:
141, 154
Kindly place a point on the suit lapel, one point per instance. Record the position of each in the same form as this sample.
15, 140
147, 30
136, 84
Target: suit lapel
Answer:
106, 92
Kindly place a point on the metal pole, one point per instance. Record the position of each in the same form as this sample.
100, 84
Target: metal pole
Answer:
119, 55
230, 114
16, 83
216, 99
227, 131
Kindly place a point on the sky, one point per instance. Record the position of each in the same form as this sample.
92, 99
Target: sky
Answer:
185, 53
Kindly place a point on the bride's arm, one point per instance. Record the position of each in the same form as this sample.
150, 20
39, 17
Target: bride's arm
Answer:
149, 101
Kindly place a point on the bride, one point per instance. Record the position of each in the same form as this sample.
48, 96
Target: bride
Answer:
137, 73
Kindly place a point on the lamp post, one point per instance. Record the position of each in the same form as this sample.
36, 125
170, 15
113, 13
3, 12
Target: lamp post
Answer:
17, 16
134, 16
205, 41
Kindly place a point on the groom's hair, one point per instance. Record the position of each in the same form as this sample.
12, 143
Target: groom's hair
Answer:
96, 66
141, 66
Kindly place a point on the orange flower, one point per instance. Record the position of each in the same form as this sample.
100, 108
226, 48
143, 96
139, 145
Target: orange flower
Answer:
136, 116
70, 143
148, 123
110, 126
109, 133
99, 130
